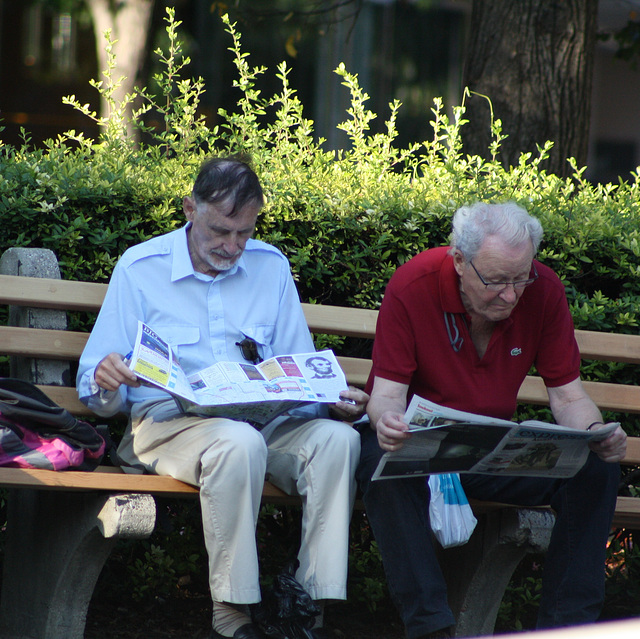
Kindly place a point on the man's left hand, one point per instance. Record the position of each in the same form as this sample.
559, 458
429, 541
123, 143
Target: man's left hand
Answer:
352, 410
613, 448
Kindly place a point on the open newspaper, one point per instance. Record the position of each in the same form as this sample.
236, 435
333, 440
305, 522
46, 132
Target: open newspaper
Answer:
445, 440
239, 390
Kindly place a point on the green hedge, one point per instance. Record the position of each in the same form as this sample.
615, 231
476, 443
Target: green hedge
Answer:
346, 220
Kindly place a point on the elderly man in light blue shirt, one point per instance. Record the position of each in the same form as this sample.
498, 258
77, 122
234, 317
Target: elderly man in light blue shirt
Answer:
205, 288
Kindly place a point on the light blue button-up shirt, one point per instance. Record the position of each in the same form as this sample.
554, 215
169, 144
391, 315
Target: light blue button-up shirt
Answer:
202, 317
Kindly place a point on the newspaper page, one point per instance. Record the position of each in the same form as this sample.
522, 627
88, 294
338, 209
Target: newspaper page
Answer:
254, 392
445, 440
153, 361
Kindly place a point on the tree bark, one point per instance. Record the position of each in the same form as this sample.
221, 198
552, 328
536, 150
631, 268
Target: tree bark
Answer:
128, 21
534, 60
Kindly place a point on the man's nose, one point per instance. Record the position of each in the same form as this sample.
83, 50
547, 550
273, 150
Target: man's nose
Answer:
234, 242
509, 293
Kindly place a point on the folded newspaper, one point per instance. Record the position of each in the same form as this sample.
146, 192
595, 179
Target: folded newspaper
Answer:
239, 390
445, 440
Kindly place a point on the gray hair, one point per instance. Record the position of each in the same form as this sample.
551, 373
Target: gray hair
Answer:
474, 223
229, 180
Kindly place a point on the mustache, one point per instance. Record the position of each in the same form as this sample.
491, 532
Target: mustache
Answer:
226, 256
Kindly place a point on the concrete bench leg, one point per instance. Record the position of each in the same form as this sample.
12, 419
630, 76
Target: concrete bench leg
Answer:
478, 573
57, 543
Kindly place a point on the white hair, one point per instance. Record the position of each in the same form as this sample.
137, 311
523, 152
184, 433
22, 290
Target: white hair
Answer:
474, 223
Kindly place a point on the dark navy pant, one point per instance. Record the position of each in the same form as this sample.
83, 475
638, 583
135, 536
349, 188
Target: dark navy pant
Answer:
573, 581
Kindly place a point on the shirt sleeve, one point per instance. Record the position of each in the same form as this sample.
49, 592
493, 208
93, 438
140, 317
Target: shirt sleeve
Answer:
394, 348
114, 332
558, 358
292, 336
291, 333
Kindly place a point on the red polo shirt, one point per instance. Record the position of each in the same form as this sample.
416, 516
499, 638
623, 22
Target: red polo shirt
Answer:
414, 347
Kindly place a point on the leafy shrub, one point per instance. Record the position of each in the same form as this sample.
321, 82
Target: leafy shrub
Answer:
623, 570
367, 583
346, 220
519, 607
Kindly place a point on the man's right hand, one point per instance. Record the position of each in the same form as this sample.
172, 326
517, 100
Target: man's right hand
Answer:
112, 372
386, 410
392, 431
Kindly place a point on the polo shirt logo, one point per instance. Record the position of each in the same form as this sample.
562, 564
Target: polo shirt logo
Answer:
516, 351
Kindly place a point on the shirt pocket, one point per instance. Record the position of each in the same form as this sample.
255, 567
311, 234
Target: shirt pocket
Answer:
179, 337
262, 334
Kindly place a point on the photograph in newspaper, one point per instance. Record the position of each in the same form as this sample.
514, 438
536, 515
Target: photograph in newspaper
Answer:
239, 390
445, 440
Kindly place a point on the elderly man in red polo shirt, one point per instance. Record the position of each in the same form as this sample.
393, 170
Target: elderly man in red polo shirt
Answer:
462, 326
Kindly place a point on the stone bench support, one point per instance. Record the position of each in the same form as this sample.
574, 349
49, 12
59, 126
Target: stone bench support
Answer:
57, 541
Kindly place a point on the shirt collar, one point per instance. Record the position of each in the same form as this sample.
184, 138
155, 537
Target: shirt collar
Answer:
450, 287
182, 266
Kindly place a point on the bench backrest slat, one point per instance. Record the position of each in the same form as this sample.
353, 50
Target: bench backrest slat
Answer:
613, 347
72, 295
615, 397
67, 397
337, 320
633, 451
51, 293
42, 343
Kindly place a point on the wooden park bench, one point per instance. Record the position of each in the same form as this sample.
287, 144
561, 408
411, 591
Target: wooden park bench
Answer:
63, 525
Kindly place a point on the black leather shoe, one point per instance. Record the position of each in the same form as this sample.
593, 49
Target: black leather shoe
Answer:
248, 631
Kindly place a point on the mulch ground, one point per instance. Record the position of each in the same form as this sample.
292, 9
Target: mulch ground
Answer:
185, 613
190, 618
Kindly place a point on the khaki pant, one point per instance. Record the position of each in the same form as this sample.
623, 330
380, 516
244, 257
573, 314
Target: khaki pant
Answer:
228, 460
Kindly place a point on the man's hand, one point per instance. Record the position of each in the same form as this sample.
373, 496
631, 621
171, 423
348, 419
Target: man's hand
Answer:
112, 372
353, 409
386, 411
392, 431
613, 448
571, 406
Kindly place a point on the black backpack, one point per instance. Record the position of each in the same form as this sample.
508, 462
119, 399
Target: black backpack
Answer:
37, 433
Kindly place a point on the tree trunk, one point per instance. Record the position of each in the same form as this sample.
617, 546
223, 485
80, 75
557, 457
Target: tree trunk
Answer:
128, 21
534, 60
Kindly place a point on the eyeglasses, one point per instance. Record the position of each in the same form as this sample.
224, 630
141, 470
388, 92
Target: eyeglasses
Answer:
249, 350
498, 287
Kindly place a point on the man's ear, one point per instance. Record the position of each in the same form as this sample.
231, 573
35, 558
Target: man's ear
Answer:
459, 262
189, 208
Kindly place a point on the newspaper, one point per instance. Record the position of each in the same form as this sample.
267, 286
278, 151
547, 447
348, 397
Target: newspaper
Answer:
239, 390
445, 440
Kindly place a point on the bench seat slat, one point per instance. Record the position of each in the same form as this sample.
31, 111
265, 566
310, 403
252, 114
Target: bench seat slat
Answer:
627, 514
96, 480
113, 480
110, 479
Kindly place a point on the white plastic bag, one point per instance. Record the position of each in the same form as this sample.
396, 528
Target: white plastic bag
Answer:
452, 519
